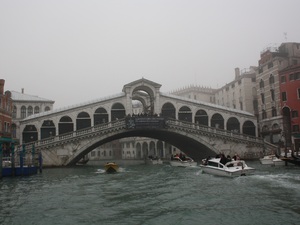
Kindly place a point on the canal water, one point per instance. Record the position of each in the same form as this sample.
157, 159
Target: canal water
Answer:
151, 194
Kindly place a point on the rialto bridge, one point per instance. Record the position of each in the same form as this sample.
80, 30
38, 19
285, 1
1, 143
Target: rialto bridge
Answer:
197, 128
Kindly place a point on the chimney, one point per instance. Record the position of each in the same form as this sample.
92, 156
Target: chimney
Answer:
22, 90
2, 82
237, 72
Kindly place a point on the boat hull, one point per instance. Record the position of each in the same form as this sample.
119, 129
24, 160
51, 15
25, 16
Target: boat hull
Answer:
183, 164
19, 171
226, 173
111, 168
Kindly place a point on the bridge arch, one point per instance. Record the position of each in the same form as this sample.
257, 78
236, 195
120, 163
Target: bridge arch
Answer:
201, 117
100, 116
117, 111
185, 114
48, 129
65, 125
30, 134
233, 125
249, 128
83, 120
168, 110
217, 121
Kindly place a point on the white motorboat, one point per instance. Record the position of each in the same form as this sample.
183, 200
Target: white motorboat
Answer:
186, 162
278, 162
154, 161
230, 169
271, 160
267, 160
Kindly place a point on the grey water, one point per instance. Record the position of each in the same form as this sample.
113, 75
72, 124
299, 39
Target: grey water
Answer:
151, 194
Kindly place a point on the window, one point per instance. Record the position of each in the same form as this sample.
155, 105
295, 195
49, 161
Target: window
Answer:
298, 93
291, 76
282, 79
261, 84
36, 110
241, 105
273, 95
264, 114
271, 79
253, 79
283, 95
14, 112
274, 112
23, 112
294, 113
297, 76
30, 110
295, 128
262, 98
270, 65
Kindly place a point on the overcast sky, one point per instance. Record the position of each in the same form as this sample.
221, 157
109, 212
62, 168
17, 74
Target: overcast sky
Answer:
73, 51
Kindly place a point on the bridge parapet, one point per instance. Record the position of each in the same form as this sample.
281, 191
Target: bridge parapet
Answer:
211, 131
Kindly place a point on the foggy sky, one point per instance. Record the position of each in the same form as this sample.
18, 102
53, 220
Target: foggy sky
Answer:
73, 51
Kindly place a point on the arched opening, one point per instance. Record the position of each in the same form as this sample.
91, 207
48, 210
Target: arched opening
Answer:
138, 148
65, 125
100, 116
152, 150
83, 121
160, 149
30, 134
249, 128
185, 114
145, 150
233, 125
217, 121
168, 110
48, 129
201, 117
117, 111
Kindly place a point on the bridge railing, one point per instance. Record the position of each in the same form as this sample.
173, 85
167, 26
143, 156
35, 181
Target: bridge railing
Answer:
209, 130
102, 128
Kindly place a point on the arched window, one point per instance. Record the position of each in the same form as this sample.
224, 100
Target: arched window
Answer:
14, 112
271, 79
261, 84
36, 110
23, 112
47, 108
168, 110
30, 111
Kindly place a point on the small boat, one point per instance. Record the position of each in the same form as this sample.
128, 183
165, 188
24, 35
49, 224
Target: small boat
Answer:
232, 168
278, 162
267, 160
186, 162
111, 167
154, 161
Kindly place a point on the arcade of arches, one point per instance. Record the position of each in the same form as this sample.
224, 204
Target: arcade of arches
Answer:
67, 124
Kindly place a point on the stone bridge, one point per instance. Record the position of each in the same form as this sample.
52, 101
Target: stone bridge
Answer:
197, 141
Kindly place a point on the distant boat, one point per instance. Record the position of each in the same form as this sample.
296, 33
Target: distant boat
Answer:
186, 162
154, 161
111, 167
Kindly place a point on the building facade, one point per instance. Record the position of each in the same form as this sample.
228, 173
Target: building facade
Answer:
241, 92
24, 105
272, 60
290, 104
5, 120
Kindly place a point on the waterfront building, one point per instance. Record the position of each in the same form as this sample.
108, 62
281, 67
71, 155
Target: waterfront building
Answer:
241, 92
272, 60
290, 104
5, 120
25, 105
